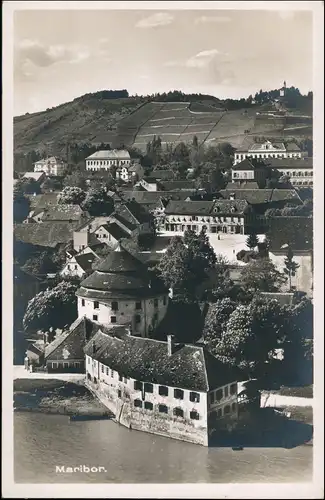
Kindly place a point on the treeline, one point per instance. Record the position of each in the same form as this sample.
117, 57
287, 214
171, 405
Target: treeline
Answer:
178, 96
105, 94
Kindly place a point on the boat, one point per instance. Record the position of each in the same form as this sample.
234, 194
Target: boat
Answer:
75, 418
237, 448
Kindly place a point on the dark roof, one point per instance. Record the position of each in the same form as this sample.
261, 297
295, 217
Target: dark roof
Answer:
258, 196
291, 163
70, 344
297, 232
189, 367
154, 197
116, 231
229, 206
177, 185
45, 234
120, 274
131, 212
165, 175
43, 200
292, 146
85, 260
189, 207
63, 213
244, 165
242, 185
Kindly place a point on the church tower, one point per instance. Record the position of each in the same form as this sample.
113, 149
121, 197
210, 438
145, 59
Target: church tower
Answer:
283, 90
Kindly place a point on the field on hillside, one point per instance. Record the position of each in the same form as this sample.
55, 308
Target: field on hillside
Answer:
132, 122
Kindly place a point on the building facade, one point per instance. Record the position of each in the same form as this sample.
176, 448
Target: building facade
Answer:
267, 150
184, 393
78, 265
299, 171
120, 291
105, 160
219, 216
51, 166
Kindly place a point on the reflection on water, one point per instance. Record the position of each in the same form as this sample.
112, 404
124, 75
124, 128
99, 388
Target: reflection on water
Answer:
42, 442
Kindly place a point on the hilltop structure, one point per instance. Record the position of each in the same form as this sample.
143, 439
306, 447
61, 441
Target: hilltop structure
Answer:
105, 160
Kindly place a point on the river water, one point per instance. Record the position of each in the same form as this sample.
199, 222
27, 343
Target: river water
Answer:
42, 442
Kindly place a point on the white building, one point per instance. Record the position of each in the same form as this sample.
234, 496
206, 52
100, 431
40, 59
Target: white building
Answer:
268, 150
130, 172
78, 265
105, 160
299, 171
120, 291
51, 166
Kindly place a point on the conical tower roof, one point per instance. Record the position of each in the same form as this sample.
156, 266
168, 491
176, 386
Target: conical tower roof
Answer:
120, 275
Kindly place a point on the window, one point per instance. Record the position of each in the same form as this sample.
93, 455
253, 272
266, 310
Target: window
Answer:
95, 317
163, 390
155, 302
112, 373
137, 319
119, 393
138, 403
107, 371
178, 394
148, 388
96, 304
148, 405
234, 407
138, 306
194, 415
137, 385
163, 409
194, 397
227, 409
65, 365
82, 302
233, 388
226, 391
115, 306
178, 412
54, 365
120, 378
164, 300
102, 368
76, 267
113, 319
68, 264
219, 394
211, 398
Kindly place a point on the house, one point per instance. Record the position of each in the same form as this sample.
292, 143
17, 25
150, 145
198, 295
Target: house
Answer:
58, 213
227, 216
110, 234
105, 160
296, 233
148, 184
47, 234
130, 172
121, 291
175, 390
38, 177
133, 218
65, 353
249, 171
78, 265
51, 166
45, 200
299, 171
267, 149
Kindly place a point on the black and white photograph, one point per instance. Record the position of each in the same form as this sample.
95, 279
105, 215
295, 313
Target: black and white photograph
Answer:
163, 278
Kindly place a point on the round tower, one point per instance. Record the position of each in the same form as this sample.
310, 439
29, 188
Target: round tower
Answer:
121, 291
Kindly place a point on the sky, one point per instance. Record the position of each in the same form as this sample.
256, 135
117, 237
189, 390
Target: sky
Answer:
62, 54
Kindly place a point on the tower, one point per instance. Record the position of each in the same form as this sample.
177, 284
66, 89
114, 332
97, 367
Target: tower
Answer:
283, 90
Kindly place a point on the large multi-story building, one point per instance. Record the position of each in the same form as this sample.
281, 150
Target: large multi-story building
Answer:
51, 166
105, 160
298, 171
268, 149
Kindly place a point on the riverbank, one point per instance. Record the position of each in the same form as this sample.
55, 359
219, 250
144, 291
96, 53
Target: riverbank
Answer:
57, 397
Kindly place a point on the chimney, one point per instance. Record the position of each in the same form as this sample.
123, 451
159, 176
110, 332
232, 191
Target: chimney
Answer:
170, 344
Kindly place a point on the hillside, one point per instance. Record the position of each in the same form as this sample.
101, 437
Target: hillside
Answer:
133, 121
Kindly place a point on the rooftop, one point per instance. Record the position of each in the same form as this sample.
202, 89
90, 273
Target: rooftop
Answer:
46, 234
63, 213
177, 185
113, 154
291, 163
33, 175
189, 207
259, 196
85, 260
189, 367
70, 343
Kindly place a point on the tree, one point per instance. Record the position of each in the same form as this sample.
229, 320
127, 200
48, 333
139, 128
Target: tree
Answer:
51, 184
252, 241
27, 186
41, 264
52, 308
262, 275
97, 202
251, 335
290, 267
71, 195
75, 180
195, 143
216, 319
21, 207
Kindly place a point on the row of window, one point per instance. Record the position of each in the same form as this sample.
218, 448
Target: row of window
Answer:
107, 162
103, 235
72, 267
267, 155
64, 364
224, 411
219, 394
299, 173
114, 304
177, 412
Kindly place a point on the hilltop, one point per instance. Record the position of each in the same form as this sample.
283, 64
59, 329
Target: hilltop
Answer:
134, 120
